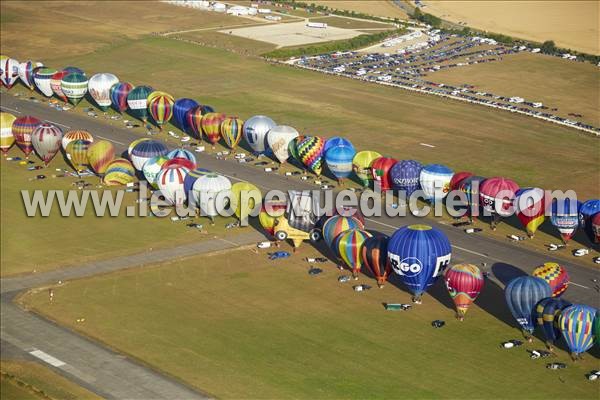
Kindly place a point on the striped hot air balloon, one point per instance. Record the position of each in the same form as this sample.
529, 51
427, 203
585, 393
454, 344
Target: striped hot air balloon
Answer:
381, 168
193, 118
6, 136
269, 212
25, 71
119, 172
522, 294
118, 95
100, 154
231, 131
180, 109
211, 126
46, 140
349, 245
55, 84
555, 275
361, 164
278, 139
310, 152
464, 283
182, 153
134, 143
70, 136
76, 152
293, 149
42, 78
530, 208
160, 106
191, 178
374, 256
143, 151
137, 101
547, 311
184, 162
152, 167
576, 324
170, 182
339, 153
74, 86
10, 72
336, 225
22, 129
457, 178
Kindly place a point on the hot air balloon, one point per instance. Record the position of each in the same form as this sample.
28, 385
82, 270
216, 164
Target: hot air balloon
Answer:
310, 152
530, 208
255, 132
457, 178
180, 108
586, 214
381, 168
419, 254
576, 325
71, 69
470, 187
565, 217
151, 169
211, 126
55, 84
293, 149
374, 256
143, 151
76, 152
46, 140
25, 71
338, 224
160, 106
464, 283
596, 227
137, 101
231, 131
170, 182
6, 136
338, 158
42, 78
405, 176
70, 136
349, 211
497, 197
596, 328
119, 172
211, 194
547, 311
118, 95
555, 275
74, 86
134, 143
184, 162
245, 197
10, 72
182, 153
522, 294
269, 211
100, 154
99, 87
278, 139
193, 118
191, 178
435, 181
349, 245
361, 164
22, 129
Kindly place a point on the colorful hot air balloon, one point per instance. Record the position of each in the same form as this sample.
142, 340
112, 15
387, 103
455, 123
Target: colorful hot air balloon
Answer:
151, 169
70, 136
435, 181
74, 86
191, 178
10, 72
278, 139
25, 71
405, 176
255, 132
310, 152
118, 95
76, 152
170, 182
349, 211
134, 143
555, 275
46, 140
160, 106
293, 149
530, 208
338, 158
99, 87
143, 151
182, 153
22, 129
231, 131
596, 328
245, 197
100, 154
470, 187
497, 197
464, 283
211, 126
381, 168
361, 164
184, 162
269, 211
193, 118
338, 224
349, 245
522, 294
119, 172
576, 325
55, 84
137, 101
586, 214
419, 254
374, 256
211, 194
596, 227
180, 108
6, 136
71, 69
457, 178
42, 78
565, 217
547, 311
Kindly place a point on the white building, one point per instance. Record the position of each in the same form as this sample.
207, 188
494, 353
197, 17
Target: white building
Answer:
321, 25
238, 10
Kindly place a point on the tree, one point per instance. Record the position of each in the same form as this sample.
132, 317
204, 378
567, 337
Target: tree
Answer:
548, 47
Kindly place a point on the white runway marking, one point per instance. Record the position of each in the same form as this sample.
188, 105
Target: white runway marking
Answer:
111, 140
56, 123
426, 145
577, 284
10, 109
55, 362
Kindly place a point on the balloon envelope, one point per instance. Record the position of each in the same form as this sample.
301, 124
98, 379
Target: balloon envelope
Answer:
100, 154
170, 182
152, 167
522, 294
74, 86
25, 71
10, 72
576, 324
180, 108
99, 87
279, 138
405, 175
143, 151
336, 225
255, 132
374, 256
361, 164
55, 84
269, 212
46, 140
530, 208
381, 168
76, 152
211, 194
231, 131
349, 245
547, 311
6, 136
457, 179
118, 95
211, 126
586, 214
464, 283
22, 129
245, 197
338, 158
119, 172
137, 101
70, 136
191, 178
42, 78
160, 107
310, 152
435, 181
497, 195
555, 275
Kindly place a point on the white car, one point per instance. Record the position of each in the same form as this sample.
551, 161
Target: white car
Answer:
263, 245
581, 252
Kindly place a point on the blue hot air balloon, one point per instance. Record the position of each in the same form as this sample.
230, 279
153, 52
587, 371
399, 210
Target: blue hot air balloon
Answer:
191, 178
547, 312
180, 108
405, 176
576, 324
435, 181
565, 217
335, 141
419, 254
586, 213
522, 295
339, 156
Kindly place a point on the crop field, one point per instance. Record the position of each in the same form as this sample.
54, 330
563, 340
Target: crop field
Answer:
240, 326
379, 8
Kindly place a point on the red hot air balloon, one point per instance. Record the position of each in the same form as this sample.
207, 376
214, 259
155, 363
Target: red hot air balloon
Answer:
497, 197
22, 129
381, 172
596, 230
530, 209
457, 179
374, 256
464, 283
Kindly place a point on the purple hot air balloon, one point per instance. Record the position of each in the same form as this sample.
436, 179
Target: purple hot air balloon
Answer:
405, 176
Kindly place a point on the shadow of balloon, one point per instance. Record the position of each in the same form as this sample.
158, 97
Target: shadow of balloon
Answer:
506, 272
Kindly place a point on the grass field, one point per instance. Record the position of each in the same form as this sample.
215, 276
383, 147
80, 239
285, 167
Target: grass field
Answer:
379, 8
239, 326
222, 40
351, 23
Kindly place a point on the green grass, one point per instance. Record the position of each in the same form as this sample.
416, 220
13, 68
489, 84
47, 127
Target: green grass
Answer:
220, 40
239, 326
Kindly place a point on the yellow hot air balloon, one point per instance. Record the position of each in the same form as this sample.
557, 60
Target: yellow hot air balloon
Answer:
361, 164
77, 153
6, 137
245, 197
100, 154
119, 172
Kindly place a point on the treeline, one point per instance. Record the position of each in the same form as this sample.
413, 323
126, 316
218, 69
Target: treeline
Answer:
330, 47
315, 8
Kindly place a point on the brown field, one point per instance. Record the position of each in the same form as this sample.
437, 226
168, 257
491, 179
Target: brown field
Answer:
380, 8
352, 23
229, 42
571, 24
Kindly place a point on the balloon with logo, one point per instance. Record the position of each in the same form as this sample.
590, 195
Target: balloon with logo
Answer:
151, 169
547, 311
25, 71
457, 178
137, 101
42, 78
191, 178
338, 157
464, 283
72, 135
278, 139
193, 119
405, 176
211, 126
349, 245
231, 131
310, 152
10, 72
435, 181
245, 198
99, 87
586, 214
46, 140
180, 108
160, 106
76, 152
576, 324
100, 154
118, 95
522, 294
269, 212
374, 256
119, 172
6, 136
170, 182
497, 197
211, 194
530, 208
555, 275
361, 165
145, 150
381, 168
419, 254
255, 132
55, 84
565, 217
74, 86
337, 224
22, 129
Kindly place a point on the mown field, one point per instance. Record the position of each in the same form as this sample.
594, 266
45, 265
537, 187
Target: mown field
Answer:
379, 8
240, 326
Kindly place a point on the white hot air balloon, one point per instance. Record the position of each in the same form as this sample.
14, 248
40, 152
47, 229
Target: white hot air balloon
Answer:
46, 140
99, 88
42, 78
170, 182
212, 193
25, 71
255, 132
279, 138
435, 181
10, 72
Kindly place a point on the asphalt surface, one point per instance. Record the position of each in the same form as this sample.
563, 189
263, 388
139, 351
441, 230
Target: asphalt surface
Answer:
503, 260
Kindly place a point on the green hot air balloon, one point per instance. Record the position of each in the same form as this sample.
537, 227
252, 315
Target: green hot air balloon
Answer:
137, 100
74, 86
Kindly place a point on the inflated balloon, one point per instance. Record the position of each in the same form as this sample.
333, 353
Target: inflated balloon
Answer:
182, 153
193, 119
99, 87
55, 84
184, 162
46, 140
361, 164
586, 213
255, 132
405, 176
170, 182
293, 148
191, 178
497, 196
464, 283
374, 256
547, 311
338, 158
211, 126
269, 212
349, 245
555, 275
338, 224
22, 129
42, 78
231, 131
470, 187
6, 136
349, 211
419, 254
119, 172
71, 69
145, 150
522, 294
158, 93
118, 95
180, 109
596, 227
161, 108
70, 136
211, 194
310, 152
25, 71
245, 197
435, 181
100, 154
152, 167
76, 152
530, 208
10, 72
565, 217
457, 178
278, 139
576, 325
74, 86
137, 101
381, 168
